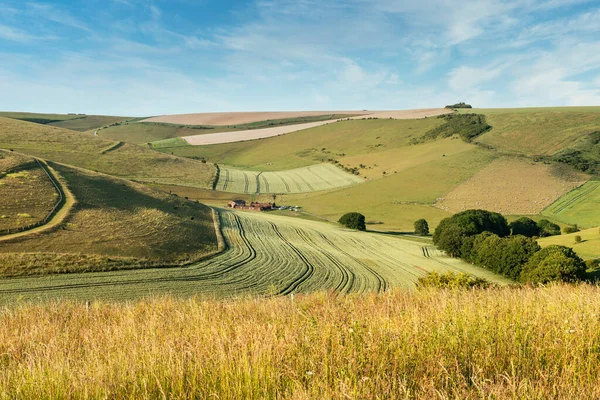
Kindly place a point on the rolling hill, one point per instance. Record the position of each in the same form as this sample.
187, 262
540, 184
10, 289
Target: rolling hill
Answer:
110, 157
114, 224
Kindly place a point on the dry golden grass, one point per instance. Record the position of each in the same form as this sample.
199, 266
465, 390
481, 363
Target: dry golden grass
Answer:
500, 343
27, 195
512, 186
114, 224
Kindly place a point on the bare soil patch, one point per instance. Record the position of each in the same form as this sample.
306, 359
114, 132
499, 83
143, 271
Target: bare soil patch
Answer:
510, 186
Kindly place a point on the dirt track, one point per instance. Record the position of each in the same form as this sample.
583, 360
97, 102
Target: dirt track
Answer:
253, 134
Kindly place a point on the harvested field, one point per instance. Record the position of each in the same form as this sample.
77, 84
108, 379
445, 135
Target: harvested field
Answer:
27, 195
407, 114
510, 186
266, 255
580, 206
252, 134
235, 118
300, 180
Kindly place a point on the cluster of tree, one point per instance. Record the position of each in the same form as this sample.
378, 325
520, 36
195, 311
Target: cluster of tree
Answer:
467, 126
486, 239
353, 220
459, 105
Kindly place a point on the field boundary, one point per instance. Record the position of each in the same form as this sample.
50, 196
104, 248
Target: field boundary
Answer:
58, 214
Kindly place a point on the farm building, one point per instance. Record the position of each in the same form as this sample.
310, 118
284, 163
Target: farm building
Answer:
253, 206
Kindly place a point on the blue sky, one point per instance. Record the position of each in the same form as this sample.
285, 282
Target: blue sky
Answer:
150, 57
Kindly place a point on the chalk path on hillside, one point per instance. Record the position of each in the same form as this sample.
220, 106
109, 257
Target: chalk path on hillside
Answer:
254, 134
266, 254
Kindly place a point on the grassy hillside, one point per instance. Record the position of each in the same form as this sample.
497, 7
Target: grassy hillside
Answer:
266, 254
398, 199
144, 132
27, 195
588, 248
76, 122
312, 146
538, 131
579, 206
509, 343
94, 153
114, 224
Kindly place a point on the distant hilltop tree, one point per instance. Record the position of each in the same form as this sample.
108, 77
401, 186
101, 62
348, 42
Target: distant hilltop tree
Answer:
460, 105
353, 220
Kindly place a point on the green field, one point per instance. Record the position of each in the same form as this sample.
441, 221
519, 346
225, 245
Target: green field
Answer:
144, 132
96, 154
398, 199
76, 122
588, 248
538, 131
27, 195
299, 180
266, 254
114, 224
580, 206
311, 146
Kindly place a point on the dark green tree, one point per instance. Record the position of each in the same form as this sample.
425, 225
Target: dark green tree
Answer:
547, 228
505, 256
525, 226
421, 227
353, 220
554, 264
450, 233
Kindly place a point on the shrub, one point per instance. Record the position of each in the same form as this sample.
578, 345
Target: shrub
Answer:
505, 256
577, 239
467, 126
571, 229
353, 220
452, 280
450, 233
547, 228
554, 264
525, 226
421, 227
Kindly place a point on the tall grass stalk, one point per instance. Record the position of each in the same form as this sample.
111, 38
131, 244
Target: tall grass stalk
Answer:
494, 343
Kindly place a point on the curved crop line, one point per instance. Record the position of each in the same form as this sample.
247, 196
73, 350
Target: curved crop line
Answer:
266, 182
348, 277
287, 187
304, 180
246, 182
572, 198
226, 183
309, 270
310, 169
382, 282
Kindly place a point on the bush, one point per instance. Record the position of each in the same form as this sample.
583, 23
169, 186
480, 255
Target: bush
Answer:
577, 239
547, 228
451, 280
353, 220
450, 233
554, 264
467, 126
421, 227
525, 226
505, 256
571, 229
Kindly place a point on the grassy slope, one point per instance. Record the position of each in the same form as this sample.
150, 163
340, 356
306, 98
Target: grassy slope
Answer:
588, 248
267, 254
90, 122
538, 131
144, 132
113, 219
27, 196
86, 151
305, 148
580, 206
510, 343
400, 198
27, 115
